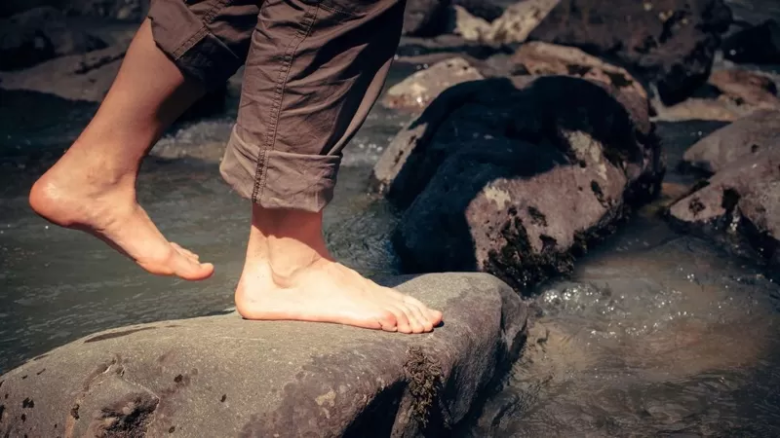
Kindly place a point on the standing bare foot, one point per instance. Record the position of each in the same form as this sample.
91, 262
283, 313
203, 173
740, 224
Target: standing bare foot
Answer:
289, 275
83, 194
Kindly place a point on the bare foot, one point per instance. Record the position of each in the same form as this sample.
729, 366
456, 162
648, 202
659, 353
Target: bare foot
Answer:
289, 276
77, 193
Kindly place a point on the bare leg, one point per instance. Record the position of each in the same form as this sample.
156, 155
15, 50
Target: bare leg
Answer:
92, 187
289, 275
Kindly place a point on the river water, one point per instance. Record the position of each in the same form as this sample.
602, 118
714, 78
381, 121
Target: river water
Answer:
655, 334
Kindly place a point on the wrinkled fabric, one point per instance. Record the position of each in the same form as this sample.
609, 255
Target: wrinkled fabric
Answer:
313, 70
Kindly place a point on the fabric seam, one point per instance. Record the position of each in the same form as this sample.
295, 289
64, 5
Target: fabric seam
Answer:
261, 168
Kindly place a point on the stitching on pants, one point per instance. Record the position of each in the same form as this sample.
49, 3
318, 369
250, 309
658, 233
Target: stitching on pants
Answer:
203, 30
284, 70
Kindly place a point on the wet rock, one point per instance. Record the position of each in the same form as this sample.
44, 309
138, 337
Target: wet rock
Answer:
76, 77
462, 23
38, 35
669, 42
538, 58
519, 20
426, 18
416, 91
734, 142
739, 206
746, 87
223, 376
757, 45
126, 10
511, 177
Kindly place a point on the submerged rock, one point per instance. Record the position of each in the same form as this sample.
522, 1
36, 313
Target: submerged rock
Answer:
224, 376
734, 142
419, 89
669, 42
38, 35
757, 45
511, 177
739, 206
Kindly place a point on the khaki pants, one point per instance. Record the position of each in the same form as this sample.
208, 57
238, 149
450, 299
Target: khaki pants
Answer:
313, 70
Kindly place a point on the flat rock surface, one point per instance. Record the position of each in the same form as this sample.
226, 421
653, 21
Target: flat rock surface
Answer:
221, 376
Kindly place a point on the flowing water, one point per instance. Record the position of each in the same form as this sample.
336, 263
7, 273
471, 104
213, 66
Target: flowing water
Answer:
655, 334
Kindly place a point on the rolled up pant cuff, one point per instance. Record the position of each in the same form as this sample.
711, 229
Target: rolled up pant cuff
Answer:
186, 39
275, 179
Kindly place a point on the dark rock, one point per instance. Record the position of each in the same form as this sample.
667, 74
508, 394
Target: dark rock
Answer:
486, 9
669, 42
127, 10
734, 142
757, 45
511, 177
746, 87
739, 207
426, 18
40, 34
223, 376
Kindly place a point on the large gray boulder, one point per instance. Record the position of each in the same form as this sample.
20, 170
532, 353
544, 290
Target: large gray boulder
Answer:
739, 206
514, 177
221, 376
734, 142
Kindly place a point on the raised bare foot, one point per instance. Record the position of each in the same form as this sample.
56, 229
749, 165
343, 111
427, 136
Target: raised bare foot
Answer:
77, 193
288, 275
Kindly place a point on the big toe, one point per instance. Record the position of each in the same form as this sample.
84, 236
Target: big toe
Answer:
189, 268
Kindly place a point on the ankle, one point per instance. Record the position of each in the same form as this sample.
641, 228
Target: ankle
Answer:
288, 241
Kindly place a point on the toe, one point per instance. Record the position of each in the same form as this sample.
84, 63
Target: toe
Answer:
403, 321
435, 316
189, 269
416, 319
185, 251
421, 314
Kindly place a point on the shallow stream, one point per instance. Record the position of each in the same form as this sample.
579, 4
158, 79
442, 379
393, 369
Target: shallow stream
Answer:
655, 334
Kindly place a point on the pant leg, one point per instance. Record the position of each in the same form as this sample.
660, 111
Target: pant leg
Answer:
207, 39
314, 70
